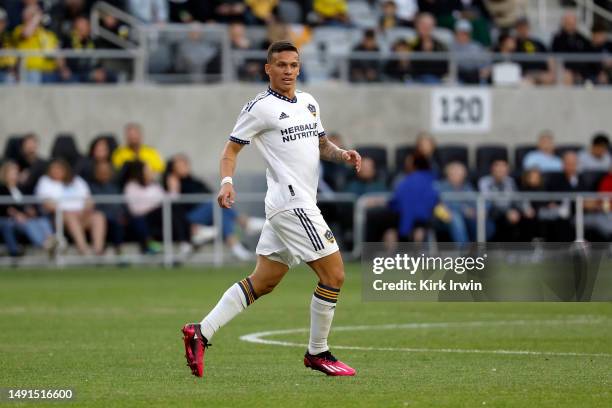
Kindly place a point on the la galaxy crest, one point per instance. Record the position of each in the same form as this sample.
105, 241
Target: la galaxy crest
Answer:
312, 109
329, 236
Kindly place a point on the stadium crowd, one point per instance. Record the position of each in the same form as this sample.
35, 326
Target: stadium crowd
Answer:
69, 181
468, 29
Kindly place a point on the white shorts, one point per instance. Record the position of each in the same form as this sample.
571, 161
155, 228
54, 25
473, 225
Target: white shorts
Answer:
296, 235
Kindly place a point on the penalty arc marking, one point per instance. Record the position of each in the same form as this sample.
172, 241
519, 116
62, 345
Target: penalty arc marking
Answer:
261, 337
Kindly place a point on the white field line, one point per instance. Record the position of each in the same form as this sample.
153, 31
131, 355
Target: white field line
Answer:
259, 337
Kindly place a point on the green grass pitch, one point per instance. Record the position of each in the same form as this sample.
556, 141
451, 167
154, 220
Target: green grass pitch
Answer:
113, 336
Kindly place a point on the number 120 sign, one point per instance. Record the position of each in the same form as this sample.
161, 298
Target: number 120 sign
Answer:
455, 110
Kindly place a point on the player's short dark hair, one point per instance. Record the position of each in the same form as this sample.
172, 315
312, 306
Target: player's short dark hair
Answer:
601, 139
280, 46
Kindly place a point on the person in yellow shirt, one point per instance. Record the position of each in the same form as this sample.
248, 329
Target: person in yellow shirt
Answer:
134, 149
261, 11
332, 12
8, 62
32, 36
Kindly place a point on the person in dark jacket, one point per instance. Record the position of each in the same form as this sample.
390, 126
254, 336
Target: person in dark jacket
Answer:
428, 71
180, 180
569, 40
104, 183
415, 215
16, 217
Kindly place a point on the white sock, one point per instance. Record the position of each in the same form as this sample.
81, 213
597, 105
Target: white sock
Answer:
234, 300
322, 307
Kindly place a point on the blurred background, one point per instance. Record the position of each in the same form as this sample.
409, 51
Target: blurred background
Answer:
478, 120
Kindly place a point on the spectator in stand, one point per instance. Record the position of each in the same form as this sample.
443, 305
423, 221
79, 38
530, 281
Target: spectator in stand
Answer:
7, 63
144, 197
331, 12
149, 11
31, 165
196, 56
389, 18
17, 217
112, 24
504, 213
443, 10
599, 218
471, 56
407, 168
531, 224
544, 157
425, 146
559, 212
537, 72
190, 11
99, 152
104, 182
82, 69
32, 36
64, 13
61, 190
180, 180
134, 149
367, 180
406, 10
569, 40
461, 224
415, 216
366, 70
227, 11
597, 156
250, 69
261, 12
601, 73
398, 68
428, 71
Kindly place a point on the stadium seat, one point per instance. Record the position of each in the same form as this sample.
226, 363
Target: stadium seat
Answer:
487, 154
450, 153
12, 147
560, 150
65, 147
362, 14
520, 151
591, 179
401, 152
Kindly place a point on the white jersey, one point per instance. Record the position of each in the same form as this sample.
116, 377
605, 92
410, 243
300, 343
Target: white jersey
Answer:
286, 132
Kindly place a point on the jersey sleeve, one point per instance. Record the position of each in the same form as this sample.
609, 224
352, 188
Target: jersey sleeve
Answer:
247, 126
320, 127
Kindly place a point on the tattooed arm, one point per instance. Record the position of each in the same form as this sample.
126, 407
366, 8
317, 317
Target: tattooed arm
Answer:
331, 152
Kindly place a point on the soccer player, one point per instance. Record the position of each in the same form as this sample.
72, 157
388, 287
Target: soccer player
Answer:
285, 126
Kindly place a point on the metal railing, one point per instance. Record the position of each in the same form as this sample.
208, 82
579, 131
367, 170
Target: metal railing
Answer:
339, 65
481, 201
168, 257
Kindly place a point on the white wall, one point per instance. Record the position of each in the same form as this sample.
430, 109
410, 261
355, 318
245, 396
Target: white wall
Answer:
198, 119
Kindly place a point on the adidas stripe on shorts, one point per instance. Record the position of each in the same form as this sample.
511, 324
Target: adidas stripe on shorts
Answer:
296, 235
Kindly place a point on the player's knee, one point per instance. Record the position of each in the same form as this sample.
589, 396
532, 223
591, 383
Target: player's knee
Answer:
335, 278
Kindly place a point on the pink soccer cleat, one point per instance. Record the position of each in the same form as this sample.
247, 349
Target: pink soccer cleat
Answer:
195, 347
328, 364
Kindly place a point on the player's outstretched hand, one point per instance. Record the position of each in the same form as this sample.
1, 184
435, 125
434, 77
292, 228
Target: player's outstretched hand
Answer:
226, 195
352, 157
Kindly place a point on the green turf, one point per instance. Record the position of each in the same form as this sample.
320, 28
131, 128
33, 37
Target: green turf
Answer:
113, 335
